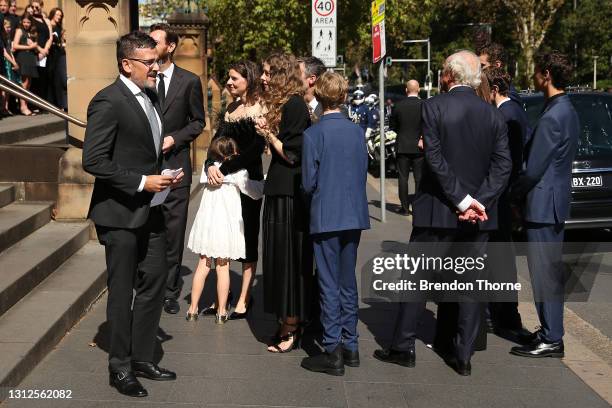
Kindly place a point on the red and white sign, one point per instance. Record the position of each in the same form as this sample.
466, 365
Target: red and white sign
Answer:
379, 48
324, 31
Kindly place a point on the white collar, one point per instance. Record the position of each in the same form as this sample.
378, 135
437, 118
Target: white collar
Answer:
504, 101
456, 86
413, 96
313, 103
135, 89
168, 72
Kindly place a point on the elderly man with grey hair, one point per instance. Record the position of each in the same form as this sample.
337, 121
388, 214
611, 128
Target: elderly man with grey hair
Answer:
468, 166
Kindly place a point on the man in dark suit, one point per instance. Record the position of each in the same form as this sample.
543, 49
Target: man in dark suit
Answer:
336, 227
504, 315
312, 68
406, 122
182, 103
468, 165
122, 149
545, 184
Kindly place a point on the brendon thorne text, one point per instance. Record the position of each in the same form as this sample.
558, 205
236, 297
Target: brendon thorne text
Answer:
402, 277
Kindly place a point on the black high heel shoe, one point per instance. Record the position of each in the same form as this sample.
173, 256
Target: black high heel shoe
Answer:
212, 309
237, 316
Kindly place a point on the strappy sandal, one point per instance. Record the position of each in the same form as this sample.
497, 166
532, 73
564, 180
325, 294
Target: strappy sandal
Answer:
294, 336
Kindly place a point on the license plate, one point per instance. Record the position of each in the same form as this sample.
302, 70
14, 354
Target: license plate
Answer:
587, 181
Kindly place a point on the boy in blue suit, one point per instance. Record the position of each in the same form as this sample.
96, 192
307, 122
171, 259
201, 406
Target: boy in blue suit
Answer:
545, 185
334, 173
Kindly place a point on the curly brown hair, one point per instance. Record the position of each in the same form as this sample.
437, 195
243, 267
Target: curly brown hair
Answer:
285, 81
558, 65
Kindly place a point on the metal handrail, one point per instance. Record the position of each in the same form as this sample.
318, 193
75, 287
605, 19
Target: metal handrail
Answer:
35, 100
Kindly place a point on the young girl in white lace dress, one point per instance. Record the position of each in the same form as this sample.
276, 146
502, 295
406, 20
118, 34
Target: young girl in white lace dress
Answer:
218, 229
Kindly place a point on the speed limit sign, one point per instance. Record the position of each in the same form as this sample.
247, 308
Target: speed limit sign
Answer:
324, 31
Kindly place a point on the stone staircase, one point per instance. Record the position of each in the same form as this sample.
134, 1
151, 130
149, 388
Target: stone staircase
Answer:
50, 271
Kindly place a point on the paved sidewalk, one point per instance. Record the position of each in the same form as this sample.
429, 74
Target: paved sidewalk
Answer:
229, 365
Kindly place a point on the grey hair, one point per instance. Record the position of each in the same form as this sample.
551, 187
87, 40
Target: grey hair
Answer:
464, 67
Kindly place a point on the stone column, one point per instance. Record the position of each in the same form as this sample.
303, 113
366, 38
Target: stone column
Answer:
191, 54
92, 29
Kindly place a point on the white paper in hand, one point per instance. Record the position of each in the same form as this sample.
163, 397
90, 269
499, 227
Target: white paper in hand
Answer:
160, 197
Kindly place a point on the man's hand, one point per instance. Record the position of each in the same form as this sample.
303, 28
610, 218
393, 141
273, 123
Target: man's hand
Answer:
155, 183
178, 179
215, 177
420, 143
168, 144
475, 212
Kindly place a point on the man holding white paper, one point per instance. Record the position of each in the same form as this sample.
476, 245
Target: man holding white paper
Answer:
123, 150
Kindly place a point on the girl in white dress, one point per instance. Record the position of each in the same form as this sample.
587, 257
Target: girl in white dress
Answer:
218, 229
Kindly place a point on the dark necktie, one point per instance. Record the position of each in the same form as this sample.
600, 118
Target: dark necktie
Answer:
161, 90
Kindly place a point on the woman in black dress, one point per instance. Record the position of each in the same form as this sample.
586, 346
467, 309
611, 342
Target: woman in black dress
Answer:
56, 62
25, 48
287, 250
239, 124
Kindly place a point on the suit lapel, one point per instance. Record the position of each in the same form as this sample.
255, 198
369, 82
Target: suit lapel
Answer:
137, 108
175, 84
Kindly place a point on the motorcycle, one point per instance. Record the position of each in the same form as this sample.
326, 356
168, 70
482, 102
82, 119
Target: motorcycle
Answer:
373, 146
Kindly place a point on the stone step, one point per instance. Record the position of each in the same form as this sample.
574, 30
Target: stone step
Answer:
31, 260
21, 128
7, 194
34, 326
56, 138
18, 220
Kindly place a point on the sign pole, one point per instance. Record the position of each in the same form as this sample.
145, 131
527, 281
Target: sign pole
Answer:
381, 103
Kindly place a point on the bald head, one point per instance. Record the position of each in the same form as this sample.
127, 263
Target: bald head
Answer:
463, 68
412, 88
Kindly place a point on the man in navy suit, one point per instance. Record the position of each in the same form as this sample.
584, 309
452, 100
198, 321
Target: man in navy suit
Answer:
468, 165
334, 174
504, 315
545, 184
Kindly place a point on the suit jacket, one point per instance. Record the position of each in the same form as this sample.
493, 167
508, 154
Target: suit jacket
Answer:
285, 178
466, 149
546, 180
317, 113
184, 119
118, 150
334, 175
518, 125
406, 122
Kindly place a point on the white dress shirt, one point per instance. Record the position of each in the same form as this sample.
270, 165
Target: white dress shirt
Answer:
139, 94
167, 77
313, 103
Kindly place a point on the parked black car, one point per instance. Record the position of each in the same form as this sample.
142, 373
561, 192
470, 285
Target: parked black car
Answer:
591, 205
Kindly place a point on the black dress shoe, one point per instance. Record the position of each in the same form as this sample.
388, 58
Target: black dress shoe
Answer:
171, 306
152, 371
351, 358
329, 363
463, 368
518, 334
127, 384
403, 358
540, 348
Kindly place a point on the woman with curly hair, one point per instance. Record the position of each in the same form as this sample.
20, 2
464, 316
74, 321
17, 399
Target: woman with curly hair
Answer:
287, 249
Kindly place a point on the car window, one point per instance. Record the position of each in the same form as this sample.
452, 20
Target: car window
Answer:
595, 122
596, 125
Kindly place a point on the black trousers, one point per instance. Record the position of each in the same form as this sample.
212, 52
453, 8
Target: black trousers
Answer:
404, 163
456, 333
136, 265
502, 263
175, 213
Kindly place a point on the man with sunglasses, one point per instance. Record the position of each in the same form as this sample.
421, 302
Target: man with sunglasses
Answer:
123, 150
